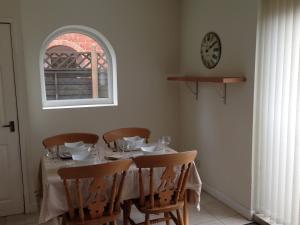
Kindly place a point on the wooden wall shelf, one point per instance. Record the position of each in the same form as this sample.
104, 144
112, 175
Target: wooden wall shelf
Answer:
205, 79
225, 80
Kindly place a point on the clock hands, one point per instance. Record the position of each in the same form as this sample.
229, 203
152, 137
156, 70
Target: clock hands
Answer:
212, 45
209, 47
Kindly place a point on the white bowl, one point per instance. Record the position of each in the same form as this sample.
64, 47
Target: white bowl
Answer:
73, 144
135, 142
134, 138
80, 152
149, 149
80, 155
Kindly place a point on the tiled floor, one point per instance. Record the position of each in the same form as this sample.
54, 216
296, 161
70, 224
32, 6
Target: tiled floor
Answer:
212, 212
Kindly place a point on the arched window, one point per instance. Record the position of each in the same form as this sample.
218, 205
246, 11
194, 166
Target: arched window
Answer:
78, 69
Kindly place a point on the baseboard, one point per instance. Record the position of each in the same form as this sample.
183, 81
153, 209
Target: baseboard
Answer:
260, 220
228, 201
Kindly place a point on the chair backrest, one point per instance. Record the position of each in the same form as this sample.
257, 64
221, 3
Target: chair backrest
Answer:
60, 139
104, 196
113, 135
172, 187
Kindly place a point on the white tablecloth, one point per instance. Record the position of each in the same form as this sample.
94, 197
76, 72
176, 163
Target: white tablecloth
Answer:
54, 201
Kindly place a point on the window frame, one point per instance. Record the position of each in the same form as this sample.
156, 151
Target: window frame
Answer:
112, 99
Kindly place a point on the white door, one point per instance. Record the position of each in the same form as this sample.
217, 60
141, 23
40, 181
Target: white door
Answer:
11, 185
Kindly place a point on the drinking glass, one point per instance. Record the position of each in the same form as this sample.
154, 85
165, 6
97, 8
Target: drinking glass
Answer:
52, 153
123, 146
164, 141
102, 152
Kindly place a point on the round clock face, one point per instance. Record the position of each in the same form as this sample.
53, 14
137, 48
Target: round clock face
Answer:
211, 50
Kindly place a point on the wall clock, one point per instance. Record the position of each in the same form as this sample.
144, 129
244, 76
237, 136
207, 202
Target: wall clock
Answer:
211, 50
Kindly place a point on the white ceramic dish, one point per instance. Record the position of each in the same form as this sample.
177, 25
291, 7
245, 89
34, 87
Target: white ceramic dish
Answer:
78, 150
150, 149
135, 142
80, 155
73, 144
134, 138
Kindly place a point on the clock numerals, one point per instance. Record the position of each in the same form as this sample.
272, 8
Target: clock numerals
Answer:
206, 63
211, 50
207, 38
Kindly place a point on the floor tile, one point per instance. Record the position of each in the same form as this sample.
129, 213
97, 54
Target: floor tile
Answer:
222, 212
212, 212
215, 222
219, 210
206, 198
201, 217
236, 220
213, 205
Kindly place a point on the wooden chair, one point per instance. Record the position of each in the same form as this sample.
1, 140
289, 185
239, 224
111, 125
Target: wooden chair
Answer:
103, 201
111, 136
56, 141
169, 195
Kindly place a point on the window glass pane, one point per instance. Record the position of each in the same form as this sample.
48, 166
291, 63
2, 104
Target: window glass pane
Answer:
75, 67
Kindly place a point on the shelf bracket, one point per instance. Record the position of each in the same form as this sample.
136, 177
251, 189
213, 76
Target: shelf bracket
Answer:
224, 96
197, 90
223, 80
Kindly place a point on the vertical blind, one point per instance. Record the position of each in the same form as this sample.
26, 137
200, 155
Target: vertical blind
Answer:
276, 133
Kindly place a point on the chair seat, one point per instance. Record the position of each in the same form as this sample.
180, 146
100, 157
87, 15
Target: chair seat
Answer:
157, 207
88, 220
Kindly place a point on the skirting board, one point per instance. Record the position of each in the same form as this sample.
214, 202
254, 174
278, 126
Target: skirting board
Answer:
260, 220
228, 201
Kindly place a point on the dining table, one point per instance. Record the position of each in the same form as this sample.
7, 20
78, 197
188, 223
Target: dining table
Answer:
54, 204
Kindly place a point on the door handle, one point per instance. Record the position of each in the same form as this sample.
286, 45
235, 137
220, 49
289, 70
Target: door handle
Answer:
11, 126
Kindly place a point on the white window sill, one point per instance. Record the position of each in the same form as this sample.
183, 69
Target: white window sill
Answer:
79, 106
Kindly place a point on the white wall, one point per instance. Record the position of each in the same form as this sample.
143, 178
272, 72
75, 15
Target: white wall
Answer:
221, 133
145, 37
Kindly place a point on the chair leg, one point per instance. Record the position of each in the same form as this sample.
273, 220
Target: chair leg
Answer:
147, 219
185, 210
126, 211
63, 222
179, 219
113, 222
166, 215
